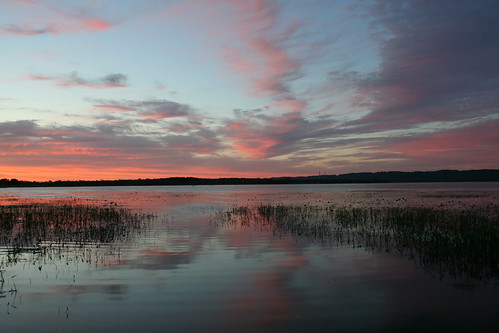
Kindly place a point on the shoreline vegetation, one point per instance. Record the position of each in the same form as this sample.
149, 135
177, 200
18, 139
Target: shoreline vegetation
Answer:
45, 232
484, 175
459, 243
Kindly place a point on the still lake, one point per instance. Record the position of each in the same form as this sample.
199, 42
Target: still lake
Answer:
186, 270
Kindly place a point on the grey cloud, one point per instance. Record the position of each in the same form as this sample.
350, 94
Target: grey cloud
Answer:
240, 113
19, 128
108, 81
102, 135
149, 110
289, 132
14, 29
439, 63
158, 85
184, 127
203, 141
74, 79
165, 109
115, 79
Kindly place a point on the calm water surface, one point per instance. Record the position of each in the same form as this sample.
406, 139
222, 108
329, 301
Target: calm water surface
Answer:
185, 272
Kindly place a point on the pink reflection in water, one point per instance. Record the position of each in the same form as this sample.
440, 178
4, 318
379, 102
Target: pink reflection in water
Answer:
239, 277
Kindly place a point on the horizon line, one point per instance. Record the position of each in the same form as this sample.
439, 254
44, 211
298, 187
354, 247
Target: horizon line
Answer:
242, 178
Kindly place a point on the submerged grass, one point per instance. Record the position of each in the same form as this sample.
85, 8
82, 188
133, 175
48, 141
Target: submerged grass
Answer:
462, 243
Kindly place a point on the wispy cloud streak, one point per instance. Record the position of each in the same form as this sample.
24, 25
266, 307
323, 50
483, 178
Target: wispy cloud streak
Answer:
74, 79
438, 64
261, 54
311, 86
43, 18
147, 110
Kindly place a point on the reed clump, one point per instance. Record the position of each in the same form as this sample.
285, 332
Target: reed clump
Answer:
45, 228
456, 242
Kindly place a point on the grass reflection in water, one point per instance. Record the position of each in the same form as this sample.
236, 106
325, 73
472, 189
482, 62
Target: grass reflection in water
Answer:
460, 243
48, 230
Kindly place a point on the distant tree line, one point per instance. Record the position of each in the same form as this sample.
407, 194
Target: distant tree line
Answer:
486, 175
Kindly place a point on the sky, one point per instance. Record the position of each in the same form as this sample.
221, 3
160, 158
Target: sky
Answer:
126, 89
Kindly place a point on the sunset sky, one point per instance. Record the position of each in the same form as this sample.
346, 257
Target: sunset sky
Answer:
115, 89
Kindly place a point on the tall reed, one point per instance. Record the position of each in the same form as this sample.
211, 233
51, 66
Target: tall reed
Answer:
48, 229
462, 243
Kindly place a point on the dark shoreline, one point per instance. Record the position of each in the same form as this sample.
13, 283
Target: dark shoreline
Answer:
484, 175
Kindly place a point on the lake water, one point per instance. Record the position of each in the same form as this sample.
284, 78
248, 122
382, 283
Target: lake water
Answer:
185, 271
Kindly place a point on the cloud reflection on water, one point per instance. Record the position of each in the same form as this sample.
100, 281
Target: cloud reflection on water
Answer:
237, 278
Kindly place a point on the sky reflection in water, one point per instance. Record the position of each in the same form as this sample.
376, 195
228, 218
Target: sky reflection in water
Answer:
186, 272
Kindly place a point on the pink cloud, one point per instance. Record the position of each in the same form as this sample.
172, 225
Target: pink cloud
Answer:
256, 148
255, 47
291, 104
95, 24
32, 152
47, 19
258, 136
259, 54
254, 43
249, 139
39, 78
476, 146
481, 136
285, 123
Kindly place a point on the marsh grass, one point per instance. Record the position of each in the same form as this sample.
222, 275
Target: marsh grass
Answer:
462, 243
55, 229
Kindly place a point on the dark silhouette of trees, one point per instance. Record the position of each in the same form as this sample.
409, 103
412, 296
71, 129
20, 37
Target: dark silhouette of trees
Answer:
486, 175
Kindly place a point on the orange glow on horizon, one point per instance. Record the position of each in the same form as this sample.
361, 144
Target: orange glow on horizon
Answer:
71, 173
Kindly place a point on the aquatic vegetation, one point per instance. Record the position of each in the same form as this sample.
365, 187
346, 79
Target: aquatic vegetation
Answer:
462, 243
50, 229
